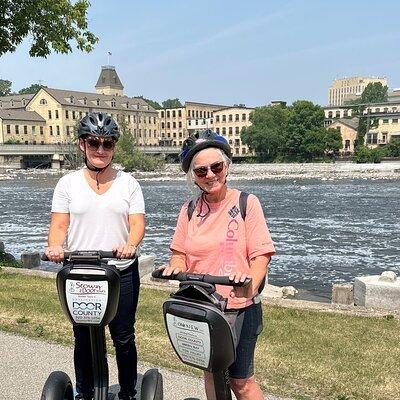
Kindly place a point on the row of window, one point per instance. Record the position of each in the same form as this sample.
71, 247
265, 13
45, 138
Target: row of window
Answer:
168, 125
112, 103
199, 114
230, 130
24, 129
174, 113
230, 117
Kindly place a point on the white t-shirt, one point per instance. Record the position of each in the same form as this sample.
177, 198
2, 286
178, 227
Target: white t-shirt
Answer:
98, 222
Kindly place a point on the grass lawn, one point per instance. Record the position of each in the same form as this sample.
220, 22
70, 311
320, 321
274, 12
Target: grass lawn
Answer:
301, 354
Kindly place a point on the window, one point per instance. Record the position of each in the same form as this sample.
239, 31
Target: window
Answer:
16, 129
395, 121
347, 144
188, 113
25, 129
98, 102
67, 130
236, 117
180, 124
243, 117
217, 130
385, 121
168, 114
41, 130
173, 114
73, 115
201, 114
237, 130
237, 142
113, 103
179, 113
162, 125
230, 130
337, 115
49, 112
168, 125
58, 130
85, 101
230, 118
66, 114
174, 124
162, 114
42, 102
217, 118
71, 99
224, 131
56, 114
51, 130
8, 129
224, 118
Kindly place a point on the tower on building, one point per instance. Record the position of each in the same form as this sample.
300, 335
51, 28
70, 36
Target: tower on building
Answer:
109, 82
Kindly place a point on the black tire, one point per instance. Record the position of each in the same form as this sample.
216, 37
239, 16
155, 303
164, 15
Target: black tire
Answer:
152, 385
58, 386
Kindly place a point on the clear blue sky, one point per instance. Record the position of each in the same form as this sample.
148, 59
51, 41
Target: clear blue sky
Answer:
225, 52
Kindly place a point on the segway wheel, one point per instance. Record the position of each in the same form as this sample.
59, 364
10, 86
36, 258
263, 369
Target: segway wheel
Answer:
152, 385
58, 386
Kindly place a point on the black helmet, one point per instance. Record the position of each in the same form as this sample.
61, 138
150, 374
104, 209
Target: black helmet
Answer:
98, 124
199, 141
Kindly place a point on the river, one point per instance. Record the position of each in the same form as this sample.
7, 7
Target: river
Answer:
325, 230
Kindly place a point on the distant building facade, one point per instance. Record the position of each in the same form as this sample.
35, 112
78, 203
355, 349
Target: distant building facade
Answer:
51, 115
346, 89
348, 130
176, 124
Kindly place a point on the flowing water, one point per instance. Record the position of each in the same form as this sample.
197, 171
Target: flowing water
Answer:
325, 231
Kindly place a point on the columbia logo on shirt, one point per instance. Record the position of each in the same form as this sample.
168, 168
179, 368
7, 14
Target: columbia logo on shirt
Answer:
233, 212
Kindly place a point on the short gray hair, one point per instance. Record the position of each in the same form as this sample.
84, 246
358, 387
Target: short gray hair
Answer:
190, 174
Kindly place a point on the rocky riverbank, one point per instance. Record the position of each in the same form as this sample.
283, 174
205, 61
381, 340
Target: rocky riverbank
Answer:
332, 171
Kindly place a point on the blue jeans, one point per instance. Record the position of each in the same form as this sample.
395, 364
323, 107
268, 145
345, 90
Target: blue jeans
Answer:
123, 335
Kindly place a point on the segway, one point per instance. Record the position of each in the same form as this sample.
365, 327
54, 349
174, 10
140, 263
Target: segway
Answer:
198, 326
88, 290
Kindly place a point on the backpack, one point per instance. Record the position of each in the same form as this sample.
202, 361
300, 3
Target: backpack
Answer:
242, 206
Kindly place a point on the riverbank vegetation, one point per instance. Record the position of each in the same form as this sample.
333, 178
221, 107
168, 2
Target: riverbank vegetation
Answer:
281, 133
7, 260
302, 354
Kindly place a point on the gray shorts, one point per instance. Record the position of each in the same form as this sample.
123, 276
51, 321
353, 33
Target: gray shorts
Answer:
247, 327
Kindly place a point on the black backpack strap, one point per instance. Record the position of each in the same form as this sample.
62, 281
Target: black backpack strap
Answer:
243, 204
190, 209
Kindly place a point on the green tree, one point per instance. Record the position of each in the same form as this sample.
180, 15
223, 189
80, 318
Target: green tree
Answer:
318, 143
32, 89
51, 24
304, 116
393, 147
151, 103
172, 103
132, 159
373, 93
266, 135
5, 87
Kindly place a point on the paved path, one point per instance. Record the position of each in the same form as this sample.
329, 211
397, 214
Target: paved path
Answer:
25, 365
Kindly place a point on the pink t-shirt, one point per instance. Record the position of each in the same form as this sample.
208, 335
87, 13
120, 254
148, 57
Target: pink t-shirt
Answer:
222, 241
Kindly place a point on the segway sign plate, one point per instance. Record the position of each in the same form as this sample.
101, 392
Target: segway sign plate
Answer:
191, 340
86, 300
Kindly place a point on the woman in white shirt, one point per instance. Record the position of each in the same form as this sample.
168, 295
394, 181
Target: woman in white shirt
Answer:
101, 208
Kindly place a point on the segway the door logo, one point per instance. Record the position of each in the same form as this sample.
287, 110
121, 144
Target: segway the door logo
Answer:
87, 301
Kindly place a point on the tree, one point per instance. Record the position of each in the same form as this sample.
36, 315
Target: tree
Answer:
266, 135
5, 87
51, 24
373, 93
32, 89
393, 147
151, 103
318, 143
172, 103
304, 116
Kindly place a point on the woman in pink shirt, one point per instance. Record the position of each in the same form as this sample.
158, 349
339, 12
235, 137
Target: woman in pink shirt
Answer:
213, 238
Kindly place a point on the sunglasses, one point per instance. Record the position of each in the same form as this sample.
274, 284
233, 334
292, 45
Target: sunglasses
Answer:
215, 168
95, 143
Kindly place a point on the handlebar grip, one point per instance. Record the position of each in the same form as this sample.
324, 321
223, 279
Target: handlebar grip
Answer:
67, 254
187, 276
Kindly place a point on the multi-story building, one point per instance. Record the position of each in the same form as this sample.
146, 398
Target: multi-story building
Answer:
229, 122
348, 130
62, 109
176, 124
386, 116
346, 89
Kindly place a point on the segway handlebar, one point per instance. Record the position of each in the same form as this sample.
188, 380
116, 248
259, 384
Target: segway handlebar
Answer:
84, 255
191, 277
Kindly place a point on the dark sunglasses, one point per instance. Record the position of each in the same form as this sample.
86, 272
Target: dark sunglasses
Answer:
94, 143
215, 168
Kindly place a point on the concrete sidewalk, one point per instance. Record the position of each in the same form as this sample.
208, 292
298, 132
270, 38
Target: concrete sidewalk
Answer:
25, 365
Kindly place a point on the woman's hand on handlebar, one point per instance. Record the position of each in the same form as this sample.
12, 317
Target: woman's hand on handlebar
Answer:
173, 270
125, 251
241, 291
55, 253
